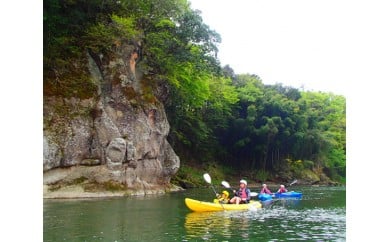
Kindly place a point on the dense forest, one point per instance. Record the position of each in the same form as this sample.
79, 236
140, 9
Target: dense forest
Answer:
216, 116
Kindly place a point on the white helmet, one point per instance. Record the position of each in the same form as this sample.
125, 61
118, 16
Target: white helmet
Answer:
243, 181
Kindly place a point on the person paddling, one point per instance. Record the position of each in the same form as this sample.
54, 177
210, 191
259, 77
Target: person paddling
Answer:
282, 189
242, 195
265, 190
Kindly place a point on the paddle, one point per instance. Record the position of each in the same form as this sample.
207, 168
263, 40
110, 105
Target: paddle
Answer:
207, 178
293, 182
227, 185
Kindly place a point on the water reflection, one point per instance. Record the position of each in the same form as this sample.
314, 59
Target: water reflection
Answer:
207, 224
217, 226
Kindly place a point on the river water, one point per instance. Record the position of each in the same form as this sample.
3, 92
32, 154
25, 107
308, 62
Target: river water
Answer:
319, 216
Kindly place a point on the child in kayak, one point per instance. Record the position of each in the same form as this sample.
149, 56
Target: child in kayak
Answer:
265, 190
242, 195
282, 189
223, 198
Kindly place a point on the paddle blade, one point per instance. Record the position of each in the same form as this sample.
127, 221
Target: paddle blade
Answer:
225, 184
295, 181
207, 178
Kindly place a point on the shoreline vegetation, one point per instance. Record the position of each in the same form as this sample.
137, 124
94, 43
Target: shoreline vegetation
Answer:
187, 178
77, 191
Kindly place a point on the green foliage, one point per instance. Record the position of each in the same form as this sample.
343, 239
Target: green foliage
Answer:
216, 172
308, 164
70, 29
250, 88
124, 26
100, 37
262, 175
192, 85
274, 123
296, 166
193, 175
97, 37
309, 175
165, 23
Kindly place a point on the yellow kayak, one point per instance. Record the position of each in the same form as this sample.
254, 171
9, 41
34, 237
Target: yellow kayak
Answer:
199, 206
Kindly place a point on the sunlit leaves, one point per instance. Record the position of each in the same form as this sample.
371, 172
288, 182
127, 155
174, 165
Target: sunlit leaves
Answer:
165, 23
250, 88
125, 27
193, 85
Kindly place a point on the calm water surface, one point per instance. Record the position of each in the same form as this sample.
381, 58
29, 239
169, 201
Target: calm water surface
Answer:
319, 216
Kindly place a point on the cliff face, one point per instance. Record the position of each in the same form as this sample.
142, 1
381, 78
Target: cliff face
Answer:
118, 136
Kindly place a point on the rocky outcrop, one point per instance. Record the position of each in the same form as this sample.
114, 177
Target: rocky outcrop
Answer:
118, 135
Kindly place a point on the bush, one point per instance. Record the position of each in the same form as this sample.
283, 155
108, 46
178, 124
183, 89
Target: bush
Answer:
308, 164
262, 175
296, 167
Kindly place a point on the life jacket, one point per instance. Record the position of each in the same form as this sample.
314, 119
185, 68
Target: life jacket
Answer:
282, 190
222, 199
240, 193
265, 190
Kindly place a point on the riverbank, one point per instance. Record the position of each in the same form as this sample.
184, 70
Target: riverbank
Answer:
96, 182
79, 191
56, 186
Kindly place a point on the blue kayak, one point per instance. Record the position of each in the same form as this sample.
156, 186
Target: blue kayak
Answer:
296, 195
265, 197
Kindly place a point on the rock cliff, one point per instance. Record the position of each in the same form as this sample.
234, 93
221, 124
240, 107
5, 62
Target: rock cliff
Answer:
114, 140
